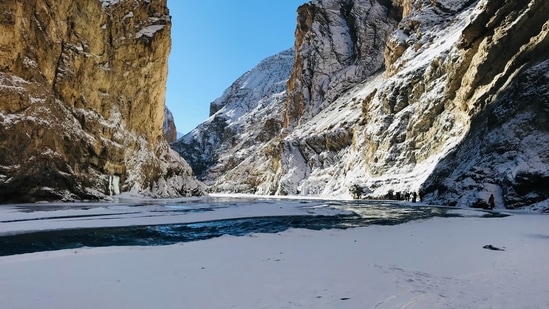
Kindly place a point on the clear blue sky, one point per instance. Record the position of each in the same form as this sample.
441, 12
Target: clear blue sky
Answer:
214, 42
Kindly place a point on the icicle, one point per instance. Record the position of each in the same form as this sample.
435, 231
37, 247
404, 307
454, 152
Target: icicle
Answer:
114, 187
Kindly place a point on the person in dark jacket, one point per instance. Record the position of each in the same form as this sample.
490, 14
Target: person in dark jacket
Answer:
491, 201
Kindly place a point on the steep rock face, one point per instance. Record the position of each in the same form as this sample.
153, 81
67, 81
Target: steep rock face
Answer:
338, 44
505, 90
453, 69
248, 114
505, 151
170, 131
452, 104
82, 87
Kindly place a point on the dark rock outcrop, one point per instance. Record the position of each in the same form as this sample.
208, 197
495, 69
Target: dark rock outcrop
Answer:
170, 131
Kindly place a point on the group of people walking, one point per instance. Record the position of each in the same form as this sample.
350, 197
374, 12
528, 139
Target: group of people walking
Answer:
404, 196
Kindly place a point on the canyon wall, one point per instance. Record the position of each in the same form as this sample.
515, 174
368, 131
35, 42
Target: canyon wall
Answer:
445, 98
170, 131
82, 90
338, 44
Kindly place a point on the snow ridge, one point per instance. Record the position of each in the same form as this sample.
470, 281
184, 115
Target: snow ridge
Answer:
238, 117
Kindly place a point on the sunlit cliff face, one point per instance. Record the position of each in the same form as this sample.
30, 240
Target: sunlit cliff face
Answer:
82, 98
440, 97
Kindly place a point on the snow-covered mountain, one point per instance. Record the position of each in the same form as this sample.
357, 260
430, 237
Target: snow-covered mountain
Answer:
446, 98
248, 114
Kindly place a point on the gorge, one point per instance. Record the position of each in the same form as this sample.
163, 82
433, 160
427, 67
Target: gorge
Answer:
445, 98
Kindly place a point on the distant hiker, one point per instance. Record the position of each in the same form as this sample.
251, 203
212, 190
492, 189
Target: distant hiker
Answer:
414, 197
357, 191
491, 201
407, 196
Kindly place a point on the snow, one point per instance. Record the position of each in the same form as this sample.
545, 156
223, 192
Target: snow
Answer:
453, 5
12, 82
433, 263
149, 31
106, 3
265, 80
446, 39
30, 63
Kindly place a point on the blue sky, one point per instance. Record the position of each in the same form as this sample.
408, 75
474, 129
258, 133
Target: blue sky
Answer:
215, 42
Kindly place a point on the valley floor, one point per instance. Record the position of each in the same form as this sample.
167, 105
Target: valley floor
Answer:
438, 262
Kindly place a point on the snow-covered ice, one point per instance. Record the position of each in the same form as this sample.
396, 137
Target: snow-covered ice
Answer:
428, 263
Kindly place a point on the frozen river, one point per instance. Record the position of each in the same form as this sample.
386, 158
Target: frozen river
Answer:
27, 228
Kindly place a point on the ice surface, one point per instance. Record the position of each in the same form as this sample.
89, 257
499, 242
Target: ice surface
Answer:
434, 263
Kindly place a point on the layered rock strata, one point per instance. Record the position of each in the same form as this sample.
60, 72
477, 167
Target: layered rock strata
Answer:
82, 86
338, 44
502, 82
445, 98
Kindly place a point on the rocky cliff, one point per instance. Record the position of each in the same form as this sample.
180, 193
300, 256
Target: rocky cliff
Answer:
170, 131
501, 81
338, 44
446, 98
247, 115
82, 87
